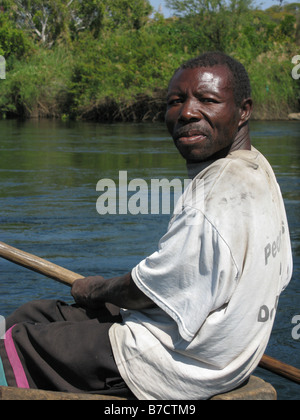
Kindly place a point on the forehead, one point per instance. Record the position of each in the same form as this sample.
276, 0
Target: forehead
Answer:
217, 79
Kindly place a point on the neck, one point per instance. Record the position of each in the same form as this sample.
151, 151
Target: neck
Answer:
242, 140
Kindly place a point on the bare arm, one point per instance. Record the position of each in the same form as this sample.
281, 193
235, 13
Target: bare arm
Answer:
92, 292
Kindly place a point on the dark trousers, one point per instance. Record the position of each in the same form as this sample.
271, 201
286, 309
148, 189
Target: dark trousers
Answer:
63, 348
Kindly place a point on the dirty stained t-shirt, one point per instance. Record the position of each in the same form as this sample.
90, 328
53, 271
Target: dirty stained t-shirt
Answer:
216, 280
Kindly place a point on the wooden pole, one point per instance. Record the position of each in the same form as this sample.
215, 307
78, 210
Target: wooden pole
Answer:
280, 368
38, 265
68, 277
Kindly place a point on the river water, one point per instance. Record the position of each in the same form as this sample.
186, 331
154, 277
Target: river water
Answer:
48, 176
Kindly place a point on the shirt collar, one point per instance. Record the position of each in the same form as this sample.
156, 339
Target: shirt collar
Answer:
195, 168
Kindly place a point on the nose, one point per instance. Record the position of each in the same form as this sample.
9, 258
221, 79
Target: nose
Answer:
189, 112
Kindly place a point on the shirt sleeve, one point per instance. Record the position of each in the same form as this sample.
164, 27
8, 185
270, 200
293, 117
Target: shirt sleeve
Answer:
192, 274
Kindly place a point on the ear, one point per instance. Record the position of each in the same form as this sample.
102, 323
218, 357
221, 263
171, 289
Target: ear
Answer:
245, 111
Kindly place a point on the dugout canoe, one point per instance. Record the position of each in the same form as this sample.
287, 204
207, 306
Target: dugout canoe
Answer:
255, 389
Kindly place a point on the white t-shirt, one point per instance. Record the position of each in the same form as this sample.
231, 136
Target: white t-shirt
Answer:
216, 280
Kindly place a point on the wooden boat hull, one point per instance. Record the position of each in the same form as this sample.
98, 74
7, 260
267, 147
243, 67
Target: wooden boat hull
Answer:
254, 390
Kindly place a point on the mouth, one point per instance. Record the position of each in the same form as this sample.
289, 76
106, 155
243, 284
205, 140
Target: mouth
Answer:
192, 139
190, 136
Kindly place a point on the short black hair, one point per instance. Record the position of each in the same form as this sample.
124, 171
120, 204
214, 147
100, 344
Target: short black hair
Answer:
241, 81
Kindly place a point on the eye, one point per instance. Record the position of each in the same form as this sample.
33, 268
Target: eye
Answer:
174, 101
209, 100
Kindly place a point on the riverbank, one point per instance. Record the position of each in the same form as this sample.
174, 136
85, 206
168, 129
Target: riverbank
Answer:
119, 72
148, 109
52, 84
142, 109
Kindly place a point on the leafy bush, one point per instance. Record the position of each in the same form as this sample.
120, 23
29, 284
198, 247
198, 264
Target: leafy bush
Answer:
108, 60
39, 86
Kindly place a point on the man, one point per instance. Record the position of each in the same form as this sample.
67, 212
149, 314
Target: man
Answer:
197, 314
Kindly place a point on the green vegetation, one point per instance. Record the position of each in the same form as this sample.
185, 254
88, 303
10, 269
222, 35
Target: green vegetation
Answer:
111, 60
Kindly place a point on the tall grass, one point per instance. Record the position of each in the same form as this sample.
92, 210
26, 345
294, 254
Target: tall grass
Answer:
275, 92
38, 86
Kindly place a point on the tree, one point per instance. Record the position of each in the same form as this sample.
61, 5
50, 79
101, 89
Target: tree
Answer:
44, 20
13, 41
86, 15
127, 13
50, 20
217, 22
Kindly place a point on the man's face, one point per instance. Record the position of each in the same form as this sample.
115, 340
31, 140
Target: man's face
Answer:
202, 116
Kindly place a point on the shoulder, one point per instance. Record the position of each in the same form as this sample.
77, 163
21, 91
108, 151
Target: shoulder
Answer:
241, 179
246, 168
235, 163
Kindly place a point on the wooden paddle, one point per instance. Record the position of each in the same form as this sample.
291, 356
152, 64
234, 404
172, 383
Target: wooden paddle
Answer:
67, 277
38, 265
280, 368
